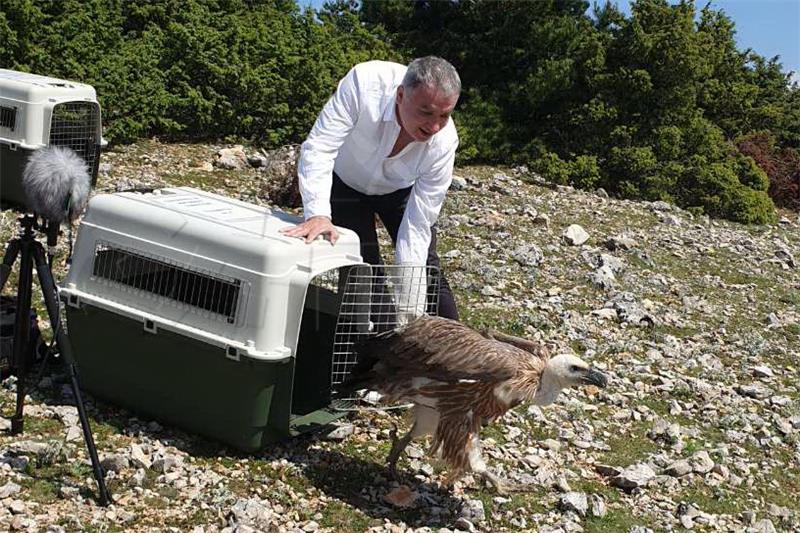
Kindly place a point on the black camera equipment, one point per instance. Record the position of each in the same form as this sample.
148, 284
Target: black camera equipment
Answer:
47, 182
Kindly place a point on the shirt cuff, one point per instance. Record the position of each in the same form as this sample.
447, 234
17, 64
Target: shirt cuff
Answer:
317, 209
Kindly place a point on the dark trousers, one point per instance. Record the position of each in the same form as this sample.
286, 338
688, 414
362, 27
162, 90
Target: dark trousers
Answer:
356, 211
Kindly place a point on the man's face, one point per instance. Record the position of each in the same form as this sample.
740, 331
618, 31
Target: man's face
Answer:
423, 111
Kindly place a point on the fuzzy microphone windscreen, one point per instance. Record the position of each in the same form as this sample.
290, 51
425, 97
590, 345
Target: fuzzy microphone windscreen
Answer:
56, 182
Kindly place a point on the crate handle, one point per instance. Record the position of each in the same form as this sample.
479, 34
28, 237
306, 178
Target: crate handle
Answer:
232, 353
73, 300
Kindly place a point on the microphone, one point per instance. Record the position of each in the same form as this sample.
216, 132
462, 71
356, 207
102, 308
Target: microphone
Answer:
56, 183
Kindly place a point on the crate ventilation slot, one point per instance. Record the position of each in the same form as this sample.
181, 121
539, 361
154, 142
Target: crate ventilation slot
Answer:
8, 117
199, 291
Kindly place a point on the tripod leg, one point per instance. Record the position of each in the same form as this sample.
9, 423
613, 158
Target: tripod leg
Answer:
8, 261
22, 331
65, 349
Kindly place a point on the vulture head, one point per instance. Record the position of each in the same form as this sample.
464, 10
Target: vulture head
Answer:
564, 371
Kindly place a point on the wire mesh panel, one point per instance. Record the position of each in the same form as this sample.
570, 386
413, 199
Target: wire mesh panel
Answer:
75, 125
375, 300
193, 289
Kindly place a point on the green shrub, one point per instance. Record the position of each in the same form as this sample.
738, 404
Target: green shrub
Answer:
481, 130
749, 206
584, 172
716, 187
553, 168
750, 175
627, 169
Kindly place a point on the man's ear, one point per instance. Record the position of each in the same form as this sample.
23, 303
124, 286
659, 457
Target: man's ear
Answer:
400, 94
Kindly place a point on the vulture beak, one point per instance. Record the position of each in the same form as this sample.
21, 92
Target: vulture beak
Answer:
596, 378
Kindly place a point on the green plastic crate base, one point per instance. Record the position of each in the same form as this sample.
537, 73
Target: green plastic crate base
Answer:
192, 385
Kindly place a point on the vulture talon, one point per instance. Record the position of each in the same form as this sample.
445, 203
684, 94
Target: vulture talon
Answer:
398, 447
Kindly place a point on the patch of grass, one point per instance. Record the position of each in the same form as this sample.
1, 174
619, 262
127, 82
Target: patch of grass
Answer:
40, 490
615, 520
637, 262
529, 501
103, 431
594, 486
45, 481
660, 407
495, 432
103, 528
629, 447
659, 331
716, 500
157, 502
793, 331
43, 426
168, 491
198, 178
505, 320
790, 297
343, 518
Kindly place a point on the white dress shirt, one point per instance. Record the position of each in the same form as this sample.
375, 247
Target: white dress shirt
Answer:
354, 135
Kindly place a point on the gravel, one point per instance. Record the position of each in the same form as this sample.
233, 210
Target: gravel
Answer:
696, 320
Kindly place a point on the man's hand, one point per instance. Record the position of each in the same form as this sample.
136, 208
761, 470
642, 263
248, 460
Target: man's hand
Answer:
313, 228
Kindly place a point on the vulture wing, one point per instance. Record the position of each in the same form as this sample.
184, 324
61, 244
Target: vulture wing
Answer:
536, 348
440, 349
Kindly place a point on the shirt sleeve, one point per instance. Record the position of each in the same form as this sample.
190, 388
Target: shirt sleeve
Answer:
318, 152
423, 207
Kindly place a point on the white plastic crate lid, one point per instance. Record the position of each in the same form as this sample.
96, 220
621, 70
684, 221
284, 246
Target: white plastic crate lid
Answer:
207, 224
25, 87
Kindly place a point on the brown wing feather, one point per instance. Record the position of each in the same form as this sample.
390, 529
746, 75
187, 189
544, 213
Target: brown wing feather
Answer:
536, 348
445, 350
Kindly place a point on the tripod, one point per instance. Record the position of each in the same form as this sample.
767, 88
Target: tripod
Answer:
32, 252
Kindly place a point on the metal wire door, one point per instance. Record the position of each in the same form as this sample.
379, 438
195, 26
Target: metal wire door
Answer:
375, 299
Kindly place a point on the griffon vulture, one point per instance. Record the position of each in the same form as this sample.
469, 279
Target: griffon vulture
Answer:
459, 380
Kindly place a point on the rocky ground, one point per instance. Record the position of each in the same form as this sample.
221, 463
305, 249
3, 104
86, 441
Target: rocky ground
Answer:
696, 320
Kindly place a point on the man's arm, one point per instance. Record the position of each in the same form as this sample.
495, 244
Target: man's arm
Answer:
414, 236
423, 207
317, 155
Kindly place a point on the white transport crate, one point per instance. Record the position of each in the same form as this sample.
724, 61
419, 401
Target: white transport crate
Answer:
38, 111
194, 309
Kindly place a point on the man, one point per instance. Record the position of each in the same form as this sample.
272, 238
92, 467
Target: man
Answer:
384, 144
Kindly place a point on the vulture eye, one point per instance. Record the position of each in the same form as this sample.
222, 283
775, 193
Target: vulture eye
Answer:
574, 368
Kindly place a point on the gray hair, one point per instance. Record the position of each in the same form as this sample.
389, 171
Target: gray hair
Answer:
434, 72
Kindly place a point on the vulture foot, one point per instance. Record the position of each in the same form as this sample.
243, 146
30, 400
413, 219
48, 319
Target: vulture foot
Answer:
398, 447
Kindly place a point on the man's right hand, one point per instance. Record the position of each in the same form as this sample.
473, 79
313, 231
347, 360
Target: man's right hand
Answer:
313, 228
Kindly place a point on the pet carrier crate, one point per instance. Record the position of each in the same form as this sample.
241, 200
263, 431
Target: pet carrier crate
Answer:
37, 111
194, 309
